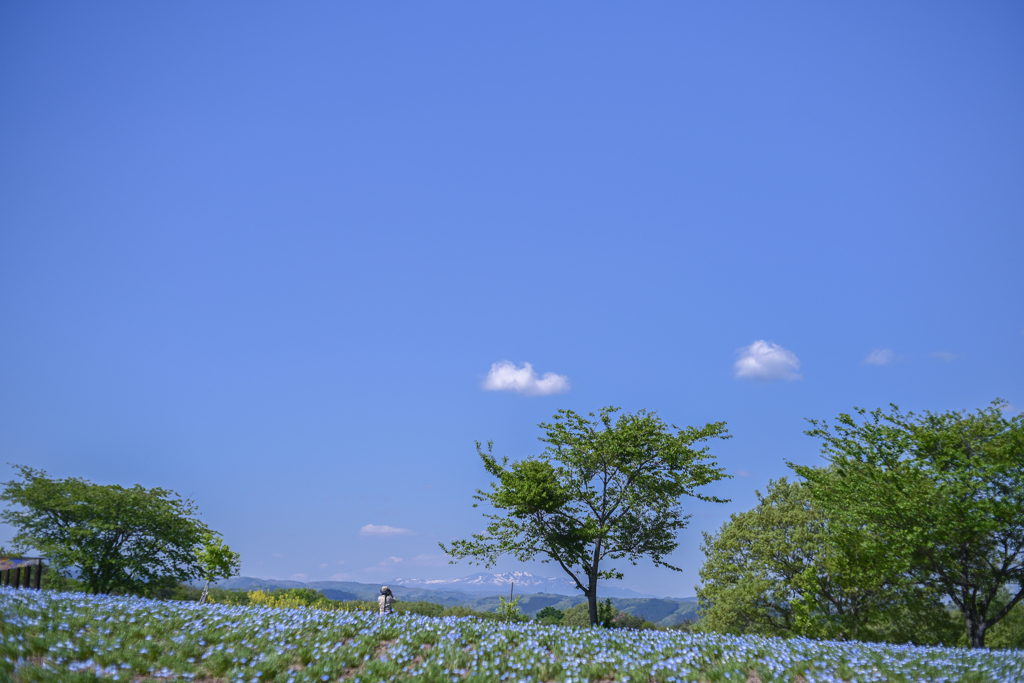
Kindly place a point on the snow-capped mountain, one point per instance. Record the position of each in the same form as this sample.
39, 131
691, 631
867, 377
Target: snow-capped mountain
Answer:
525, 582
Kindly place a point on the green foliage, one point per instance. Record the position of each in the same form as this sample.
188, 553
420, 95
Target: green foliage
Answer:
432, 609
777, 570
457, 611
605, 488
222, 596
54, 580
579, 615
627, 620
216, 560
1009, 632
937, 498
181, 591
306, 597
550, 615
508, 610
427, 609
290, 598
606, 614
121, 539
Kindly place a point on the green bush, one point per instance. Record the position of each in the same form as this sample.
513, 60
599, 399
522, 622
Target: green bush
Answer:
550, 616
627, 620
579, 615
426, 609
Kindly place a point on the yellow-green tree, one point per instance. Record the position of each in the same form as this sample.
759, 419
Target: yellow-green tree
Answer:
216, 561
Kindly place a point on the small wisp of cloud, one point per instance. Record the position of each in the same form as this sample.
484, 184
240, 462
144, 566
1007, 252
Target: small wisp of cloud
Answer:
766, 361
383, 530
880, 357
943, 355
505, 376
386, 565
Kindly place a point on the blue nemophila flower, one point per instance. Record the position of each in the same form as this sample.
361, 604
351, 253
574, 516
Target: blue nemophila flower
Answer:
502, 651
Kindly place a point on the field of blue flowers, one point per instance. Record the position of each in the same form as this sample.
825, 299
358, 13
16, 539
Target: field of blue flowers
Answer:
48, 636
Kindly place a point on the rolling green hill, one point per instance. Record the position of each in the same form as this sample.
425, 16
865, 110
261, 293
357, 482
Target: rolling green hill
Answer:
661, 611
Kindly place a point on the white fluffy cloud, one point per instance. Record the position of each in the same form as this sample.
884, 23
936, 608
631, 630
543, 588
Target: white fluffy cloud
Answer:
764, 360
943, 355
505, 376
383, 530
880, 357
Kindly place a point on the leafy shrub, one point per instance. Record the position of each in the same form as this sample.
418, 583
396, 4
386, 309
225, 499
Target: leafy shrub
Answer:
290, 598
579, 615
427, 609
627, 620
508, 610
549, 615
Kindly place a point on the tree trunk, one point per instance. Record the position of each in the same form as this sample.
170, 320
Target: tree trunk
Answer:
975, 630
592, 583
206, 591
592, 600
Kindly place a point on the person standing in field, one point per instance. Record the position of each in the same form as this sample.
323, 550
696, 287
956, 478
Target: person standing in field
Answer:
384, 600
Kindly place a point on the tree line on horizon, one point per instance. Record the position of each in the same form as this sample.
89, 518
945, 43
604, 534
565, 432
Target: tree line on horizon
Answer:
913, 530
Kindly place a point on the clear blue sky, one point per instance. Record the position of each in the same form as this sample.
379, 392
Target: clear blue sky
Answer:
267, 255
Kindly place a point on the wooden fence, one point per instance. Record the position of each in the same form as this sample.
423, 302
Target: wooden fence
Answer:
21, 572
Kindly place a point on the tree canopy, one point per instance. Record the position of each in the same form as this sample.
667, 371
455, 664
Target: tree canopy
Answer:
942, 495
119, 539
606, 487
777, 569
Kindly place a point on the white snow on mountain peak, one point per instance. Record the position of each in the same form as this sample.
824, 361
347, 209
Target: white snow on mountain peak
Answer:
487, 581
524, 582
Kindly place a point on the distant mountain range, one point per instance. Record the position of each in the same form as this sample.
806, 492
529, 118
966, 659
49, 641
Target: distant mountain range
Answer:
480, 592
443, 591
522, 582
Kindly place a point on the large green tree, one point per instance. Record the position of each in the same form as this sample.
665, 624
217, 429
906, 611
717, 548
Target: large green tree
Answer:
607, 487
119, 539
778, 569
942, 495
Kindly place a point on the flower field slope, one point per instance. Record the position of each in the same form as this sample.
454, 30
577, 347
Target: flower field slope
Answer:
46, 636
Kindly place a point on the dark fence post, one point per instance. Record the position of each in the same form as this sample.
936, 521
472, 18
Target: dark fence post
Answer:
27, 574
